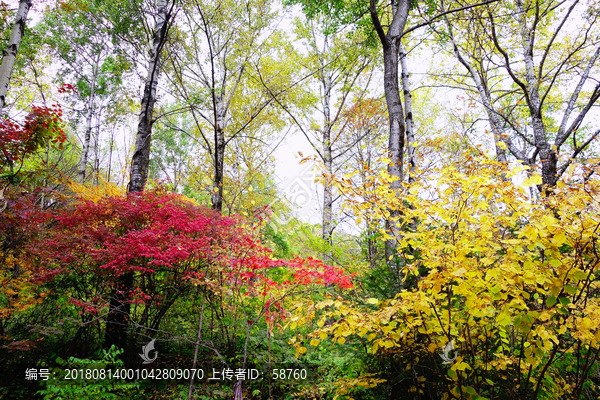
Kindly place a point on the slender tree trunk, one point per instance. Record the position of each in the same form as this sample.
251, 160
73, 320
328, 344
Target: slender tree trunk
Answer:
410, 126
396, 140
117, 322
110, 153
547, 155
328, 162
495, 123
9, 55
395, 143
219, 158
88, 127
198, 339
141, 155
87, 137
327, 192
391, 45
97, 154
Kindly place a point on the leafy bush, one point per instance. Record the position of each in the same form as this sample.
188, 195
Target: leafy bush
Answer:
89, 388
511, 282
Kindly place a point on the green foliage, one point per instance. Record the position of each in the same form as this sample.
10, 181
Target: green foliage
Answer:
89, 387
282, 247
172, 151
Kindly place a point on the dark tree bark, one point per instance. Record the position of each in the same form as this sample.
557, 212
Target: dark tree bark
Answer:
391, 46
9, 55
219, 161
141, 155
117, 322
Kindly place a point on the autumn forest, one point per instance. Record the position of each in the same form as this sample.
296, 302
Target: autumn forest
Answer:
306, 199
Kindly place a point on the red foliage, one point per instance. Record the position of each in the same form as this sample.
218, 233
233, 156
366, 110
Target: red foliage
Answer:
21, 222
67, 88
150, 232
42, 124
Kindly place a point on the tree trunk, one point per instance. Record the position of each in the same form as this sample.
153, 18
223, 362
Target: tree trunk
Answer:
327, 192
86, 147
97, 155
9, 55
197, 347
410, 126
110, 153
219, 157
117, 322
391, 45
495, 123
88, 127
328, 162
141, 155
548, 156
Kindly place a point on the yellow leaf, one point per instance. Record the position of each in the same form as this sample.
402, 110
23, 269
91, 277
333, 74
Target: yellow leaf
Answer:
461, 366
532, 181
549, 221
585, 324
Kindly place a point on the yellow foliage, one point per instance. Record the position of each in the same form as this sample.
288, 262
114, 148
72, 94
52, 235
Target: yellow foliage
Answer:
95, 193
346, 386
513, 281
17, 293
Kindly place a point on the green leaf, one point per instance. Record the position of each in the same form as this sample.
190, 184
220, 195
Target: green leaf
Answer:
571, 290
564, 300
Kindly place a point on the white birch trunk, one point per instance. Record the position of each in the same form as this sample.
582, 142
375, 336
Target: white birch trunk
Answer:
411, 150
328, 163
9, 55
88, 127
141, 155
547, 155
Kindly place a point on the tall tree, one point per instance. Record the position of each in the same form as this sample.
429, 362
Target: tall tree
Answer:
80, 37
224, 51
388, 20
340, 59
391, 42
9, 55
118, 318
141, 155
542, 48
